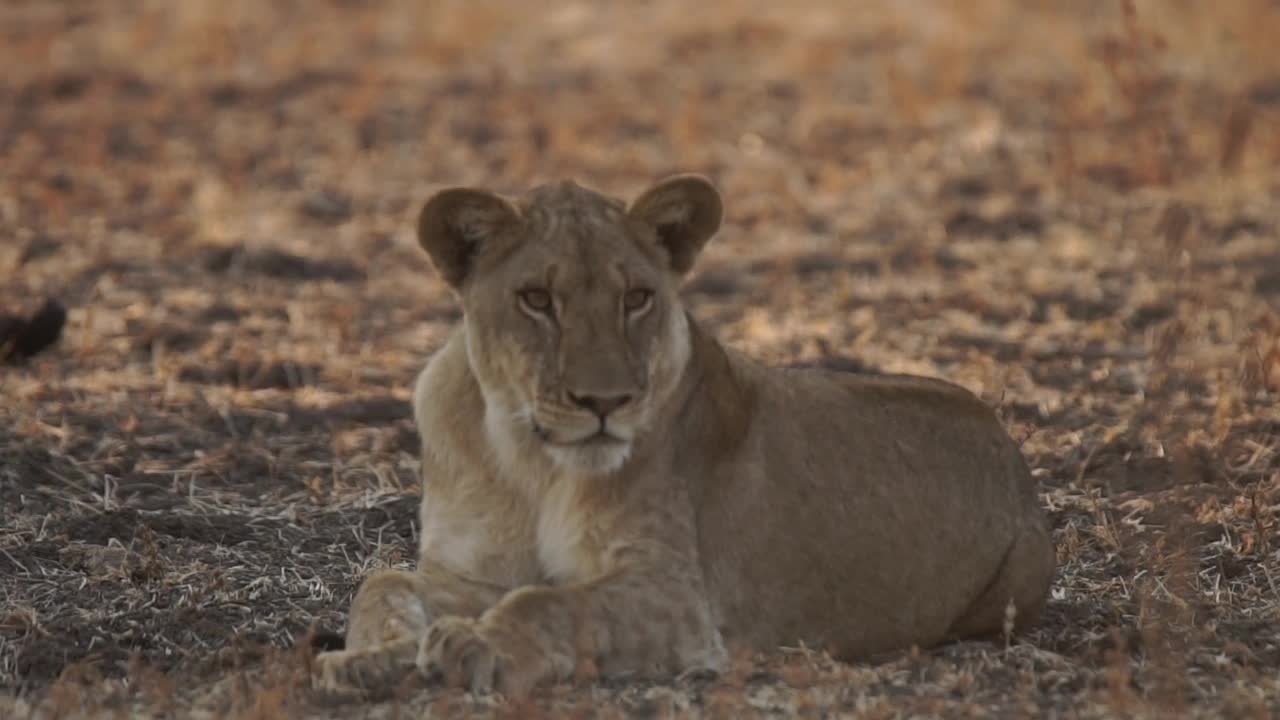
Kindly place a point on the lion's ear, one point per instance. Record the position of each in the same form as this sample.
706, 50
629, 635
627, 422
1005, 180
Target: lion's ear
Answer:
455, 224
684, 211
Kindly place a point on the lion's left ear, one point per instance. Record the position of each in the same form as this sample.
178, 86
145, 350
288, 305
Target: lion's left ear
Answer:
684, 212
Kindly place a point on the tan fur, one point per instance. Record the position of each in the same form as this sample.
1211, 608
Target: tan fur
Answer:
737, 504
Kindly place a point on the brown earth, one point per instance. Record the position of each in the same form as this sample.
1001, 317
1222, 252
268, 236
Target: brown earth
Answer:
1069, 208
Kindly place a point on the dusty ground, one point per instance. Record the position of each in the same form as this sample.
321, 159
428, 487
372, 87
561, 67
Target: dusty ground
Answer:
1071, 211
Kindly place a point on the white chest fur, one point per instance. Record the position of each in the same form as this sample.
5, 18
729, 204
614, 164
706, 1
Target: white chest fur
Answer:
560, 533
550, 493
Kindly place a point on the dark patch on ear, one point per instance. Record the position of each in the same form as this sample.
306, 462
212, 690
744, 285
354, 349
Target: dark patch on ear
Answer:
669, 237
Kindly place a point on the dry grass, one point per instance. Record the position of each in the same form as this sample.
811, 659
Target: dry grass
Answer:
1069, 208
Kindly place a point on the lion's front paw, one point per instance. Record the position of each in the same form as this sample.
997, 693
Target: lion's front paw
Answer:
454, 649
369, 671
466, 652
330, 672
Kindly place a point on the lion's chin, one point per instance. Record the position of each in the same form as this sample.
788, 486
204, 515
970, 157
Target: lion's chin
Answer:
592, 456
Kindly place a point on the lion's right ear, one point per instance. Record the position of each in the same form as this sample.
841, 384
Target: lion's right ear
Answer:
455, 224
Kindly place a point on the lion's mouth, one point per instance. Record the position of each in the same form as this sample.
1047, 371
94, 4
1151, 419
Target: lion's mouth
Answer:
600, 438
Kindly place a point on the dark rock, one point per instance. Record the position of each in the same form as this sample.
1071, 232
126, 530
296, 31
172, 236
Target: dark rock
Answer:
253, 375
328, 206
278, 264
1265, 92
21, 338
969, 188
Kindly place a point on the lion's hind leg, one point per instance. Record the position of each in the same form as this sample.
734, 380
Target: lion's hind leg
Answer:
1014, 598
389, 616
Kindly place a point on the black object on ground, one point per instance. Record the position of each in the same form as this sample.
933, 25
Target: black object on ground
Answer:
20, 338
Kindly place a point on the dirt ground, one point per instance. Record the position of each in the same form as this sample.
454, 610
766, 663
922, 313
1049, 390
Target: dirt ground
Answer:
1069, 208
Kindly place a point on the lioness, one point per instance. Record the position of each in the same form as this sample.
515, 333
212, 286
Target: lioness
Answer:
607, 487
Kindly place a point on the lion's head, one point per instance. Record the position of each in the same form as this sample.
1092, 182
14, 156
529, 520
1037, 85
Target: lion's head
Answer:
574, 328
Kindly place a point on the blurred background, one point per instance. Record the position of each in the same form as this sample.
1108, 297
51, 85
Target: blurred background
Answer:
1070, 208
878, 132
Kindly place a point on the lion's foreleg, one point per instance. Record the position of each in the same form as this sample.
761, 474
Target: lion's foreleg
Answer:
389, 617
648, 617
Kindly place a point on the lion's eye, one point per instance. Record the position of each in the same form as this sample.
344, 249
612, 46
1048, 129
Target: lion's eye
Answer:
536, 299
637, 299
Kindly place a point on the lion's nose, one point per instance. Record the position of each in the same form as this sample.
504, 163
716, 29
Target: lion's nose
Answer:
601, 405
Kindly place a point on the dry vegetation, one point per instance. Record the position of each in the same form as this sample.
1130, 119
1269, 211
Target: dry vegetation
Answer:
1070, 208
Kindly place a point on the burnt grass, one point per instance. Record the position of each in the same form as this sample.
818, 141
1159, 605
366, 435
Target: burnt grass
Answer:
1073, 212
